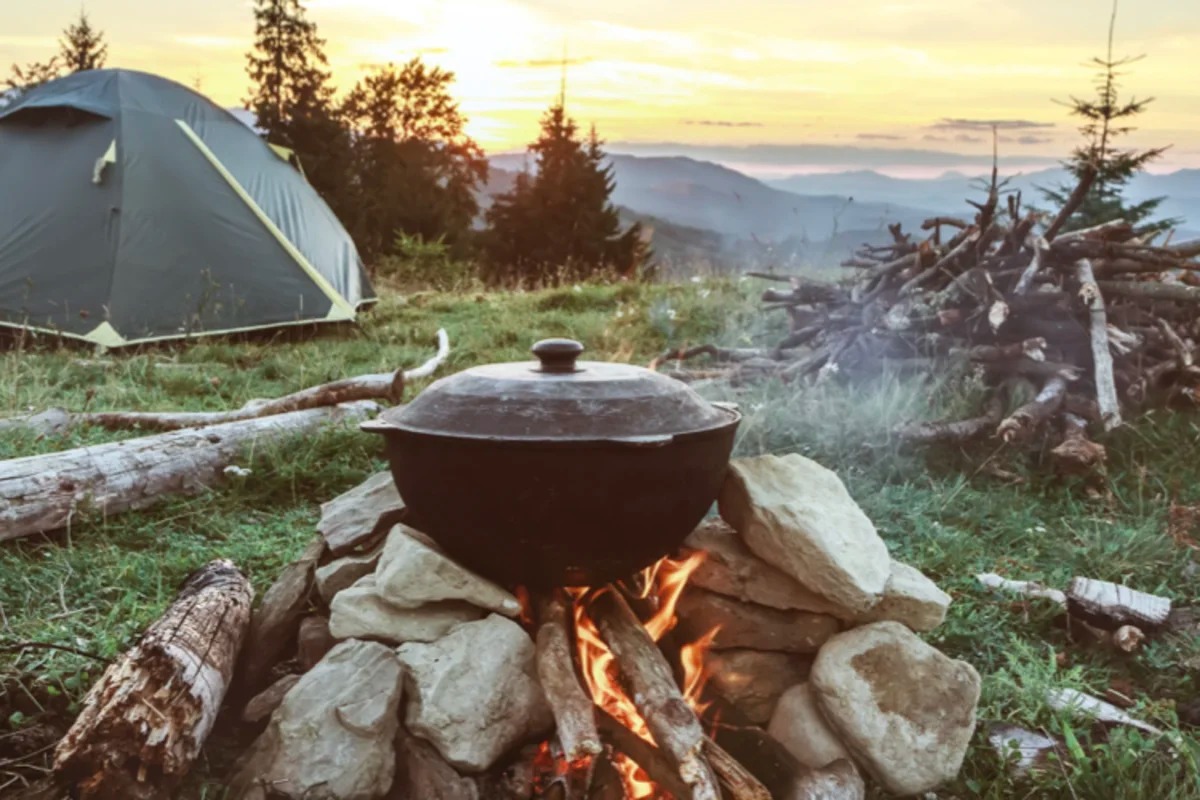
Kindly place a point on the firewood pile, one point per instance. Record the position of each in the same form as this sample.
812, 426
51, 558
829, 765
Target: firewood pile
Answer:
1092, 324
775, 655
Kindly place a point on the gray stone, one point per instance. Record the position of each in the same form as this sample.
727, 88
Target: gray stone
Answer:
797, 515
743, 625
422, 773
904, 710
798, 725
313, 641
474, 693
333, 735
732, 570
355, 517
273, 624
911, 599
412, 573
344, 572
361, 613
263, 704
754, 680
838, 781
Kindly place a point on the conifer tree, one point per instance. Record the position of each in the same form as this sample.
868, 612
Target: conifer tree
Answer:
558, 222
415, 167
292, 97
1105, 118
82, 46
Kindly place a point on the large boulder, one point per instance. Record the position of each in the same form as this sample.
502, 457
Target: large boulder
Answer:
412, 573
360, 515
344, 572
422, 773
798, 516
333, 735
745, 625
729, 568
754, 680
799, 726
838, 781
360, 612
905, 711
910, 598
474, 694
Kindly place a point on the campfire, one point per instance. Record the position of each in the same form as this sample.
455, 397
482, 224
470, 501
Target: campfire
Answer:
773, 654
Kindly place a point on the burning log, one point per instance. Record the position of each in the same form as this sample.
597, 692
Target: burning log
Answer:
145, 720
671, 721
574, 711
45, 492
736, 780
652, 760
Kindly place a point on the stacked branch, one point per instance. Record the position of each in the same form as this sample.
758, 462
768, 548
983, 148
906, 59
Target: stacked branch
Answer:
1099, 322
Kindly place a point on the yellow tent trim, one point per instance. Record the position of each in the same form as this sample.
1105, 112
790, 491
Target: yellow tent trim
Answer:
114, 339
105, 335
341, 310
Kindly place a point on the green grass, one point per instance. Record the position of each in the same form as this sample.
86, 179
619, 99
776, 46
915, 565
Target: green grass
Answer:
97, 587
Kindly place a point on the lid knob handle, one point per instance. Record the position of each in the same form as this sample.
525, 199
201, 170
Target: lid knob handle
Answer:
558, 355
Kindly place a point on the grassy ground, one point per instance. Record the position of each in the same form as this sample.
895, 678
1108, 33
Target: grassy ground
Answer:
97, 586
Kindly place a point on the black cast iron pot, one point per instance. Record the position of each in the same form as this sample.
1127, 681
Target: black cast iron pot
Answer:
558, 472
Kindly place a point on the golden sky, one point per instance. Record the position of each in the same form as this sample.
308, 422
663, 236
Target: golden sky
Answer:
882, 77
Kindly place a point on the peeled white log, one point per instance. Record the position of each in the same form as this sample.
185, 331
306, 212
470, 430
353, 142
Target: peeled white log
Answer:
46, 492
1106, 389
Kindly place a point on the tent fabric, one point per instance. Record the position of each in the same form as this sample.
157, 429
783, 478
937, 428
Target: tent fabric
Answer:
133, 209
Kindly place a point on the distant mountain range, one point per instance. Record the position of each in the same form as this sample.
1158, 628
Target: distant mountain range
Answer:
701, 211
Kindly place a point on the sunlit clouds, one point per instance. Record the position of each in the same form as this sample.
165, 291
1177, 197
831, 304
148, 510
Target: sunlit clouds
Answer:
873, 75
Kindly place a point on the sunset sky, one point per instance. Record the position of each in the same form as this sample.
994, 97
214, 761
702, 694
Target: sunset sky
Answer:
860, 83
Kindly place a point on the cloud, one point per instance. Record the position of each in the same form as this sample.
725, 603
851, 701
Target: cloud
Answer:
884, 137
960, 124
541, 63
967, 138
929, 137
723, 123
1030, 139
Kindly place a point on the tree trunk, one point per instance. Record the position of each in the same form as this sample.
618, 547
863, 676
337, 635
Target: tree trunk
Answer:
145, 720
44, 493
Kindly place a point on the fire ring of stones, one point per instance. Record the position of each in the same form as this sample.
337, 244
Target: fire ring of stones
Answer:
775, 656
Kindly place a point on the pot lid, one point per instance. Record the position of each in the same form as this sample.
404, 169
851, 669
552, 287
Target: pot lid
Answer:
558, 397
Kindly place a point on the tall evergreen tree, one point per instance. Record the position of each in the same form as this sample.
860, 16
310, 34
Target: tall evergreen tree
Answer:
558, 222
1105, 118
292, 97
82, 46
415, 167
22, 79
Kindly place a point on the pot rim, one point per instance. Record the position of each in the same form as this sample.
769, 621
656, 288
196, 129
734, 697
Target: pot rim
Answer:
730, 410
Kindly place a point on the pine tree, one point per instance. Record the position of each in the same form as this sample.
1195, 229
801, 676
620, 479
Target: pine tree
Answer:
292, 97
82, 47
558, 223
415, 167
22, 79
1104, 120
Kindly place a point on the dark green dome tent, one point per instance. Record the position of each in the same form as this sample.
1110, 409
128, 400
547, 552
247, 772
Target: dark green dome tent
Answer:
133, 209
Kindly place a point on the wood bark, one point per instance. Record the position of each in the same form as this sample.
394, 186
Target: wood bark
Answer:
47, 492
957, 431
1102, 364
1074, 201
1110, 606
1028, 417
1077, 453
653, 762
144, 722
1025, 282
736, 780
671, 721
574, 711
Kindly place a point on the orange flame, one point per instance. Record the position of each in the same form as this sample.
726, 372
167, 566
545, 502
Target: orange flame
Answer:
664, 581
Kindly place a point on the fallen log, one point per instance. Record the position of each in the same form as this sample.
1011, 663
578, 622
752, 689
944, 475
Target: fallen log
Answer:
387, 386
1110, 606
671, 721
144, 722
44, 493
574, 711
958, 431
